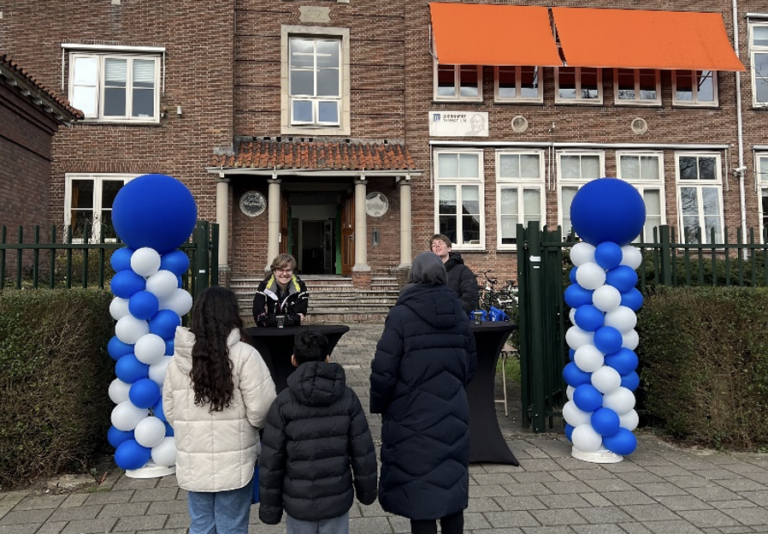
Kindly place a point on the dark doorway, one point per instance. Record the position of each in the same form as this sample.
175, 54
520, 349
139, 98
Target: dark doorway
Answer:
317, 247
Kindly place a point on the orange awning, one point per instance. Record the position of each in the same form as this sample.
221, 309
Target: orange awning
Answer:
481, 34
639, 39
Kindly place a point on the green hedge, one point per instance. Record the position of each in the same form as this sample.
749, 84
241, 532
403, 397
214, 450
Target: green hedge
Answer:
704, 364
54, 374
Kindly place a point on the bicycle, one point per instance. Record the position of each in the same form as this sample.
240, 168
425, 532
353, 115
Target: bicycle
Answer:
497, 304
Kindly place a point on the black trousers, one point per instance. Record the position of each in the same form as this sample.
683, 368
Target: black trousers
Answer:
450, 524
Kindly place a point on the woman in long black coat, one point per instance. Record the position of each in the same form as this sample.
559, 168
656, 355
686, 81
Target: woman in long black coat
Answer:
424, 361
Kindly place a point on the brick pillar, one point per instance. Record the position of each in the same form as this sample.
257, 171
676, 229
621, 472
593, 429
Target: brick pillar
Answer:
361, 279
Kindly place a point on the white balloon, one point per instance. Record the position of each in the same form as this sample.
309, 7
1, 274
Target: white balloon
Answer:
569, 392
582, 253
631, 256
180, 301
162, 284
145, 261
572, 315
586, 439
118, 308
149, 349
588, 358
630, 339
629, 420
606, 298
118, 391
606, 379
125, 416
590, 275
620, 401
149, 432
157, 370
576, 337
573, 416
622, 319
129, 329
165, 453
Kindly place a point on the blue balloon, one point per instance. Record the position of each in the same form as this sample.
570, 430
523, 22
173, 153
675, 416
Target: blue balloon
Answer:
630, 381
181, 282
607, 339
622, 278
155, 211
632, 299
608, 255
157, 410
568, 431
572, 275
164, 323
576, 296
127, 283
117, 349
175, 261
607, 209
571, 354
120, 260
169, 346
622, 442
115, 437
624, 361
574, 376
589, 318
131, 455
129, 369
144, 393
587, 398
168, 430
143, 305
605, 422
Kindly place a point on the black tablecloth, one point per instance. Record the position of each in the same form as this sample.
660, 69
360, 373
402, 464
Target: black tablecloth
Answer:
486, 442
276, 346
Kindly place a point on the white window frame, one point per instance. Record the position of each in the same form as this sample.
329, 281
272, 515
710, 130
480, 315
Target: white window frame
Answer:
315, 100
694, 102
699, 185
644, 185
579, 99
578, 183
520, 184
457, 84
539, 98
478, 181
637, 101
98, 180
761, 179
99, 88
754, 50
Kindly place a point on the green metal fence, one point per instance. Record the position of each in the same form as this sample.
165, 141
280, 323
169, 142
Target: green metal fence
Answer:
543, 264
61, 260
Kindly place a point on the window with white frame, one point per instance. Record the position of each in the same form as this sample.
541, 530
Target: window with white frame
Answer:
700, 197
637, 86
519, 193
758, 54
88, 201
114, 87
458, 82
694, 88
579, 85
645, 171
575, 169
761, 160
459, 204
518, 84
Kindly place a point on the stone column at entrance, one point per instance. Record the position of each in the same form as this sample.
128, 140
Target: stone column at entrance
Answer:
361, 271
405, 222
273, 231
222, 219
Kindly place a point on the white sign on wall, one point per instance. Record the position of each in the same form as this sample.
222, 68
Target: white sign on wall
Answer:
458, 123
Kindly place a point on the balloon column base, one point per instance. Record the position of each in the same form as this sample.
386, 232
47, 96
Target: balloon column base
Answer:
602, 456
150, 470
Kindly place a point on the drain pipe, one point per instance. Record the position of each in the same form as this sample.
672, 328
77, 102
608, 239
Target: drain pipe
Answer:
741, 170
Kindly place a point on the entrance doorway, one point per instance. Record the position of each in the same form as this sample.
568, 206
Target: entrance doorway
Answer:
317, 247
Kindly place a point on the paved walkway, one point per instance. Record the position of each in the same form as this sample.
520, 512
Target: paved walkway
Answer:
658, 489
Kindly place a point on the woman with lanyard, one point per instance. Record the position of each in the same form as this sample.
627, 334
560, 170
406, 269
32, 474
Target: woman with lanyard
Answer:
281, 296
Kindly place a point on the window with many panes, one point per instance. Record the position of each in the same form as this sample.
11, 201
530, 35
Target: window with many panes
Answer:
637, 86
518, 84
88, 202
694, 88
579, 85
519, 193
458, 82
115, 87
459, 204
700, 197
758, 55
645, 171
761, 166
574, 169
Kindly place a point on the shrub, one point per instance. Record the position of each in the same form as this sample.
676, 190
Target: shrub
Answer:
704, 364
54, 374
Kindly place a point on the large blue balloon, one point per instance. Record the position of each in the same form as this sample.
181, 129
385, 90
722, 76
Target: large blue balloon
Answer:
589, 318
607, 339
587, 398
164, 323
120, 260
632, 299
155, 211
622, 278
175, 261
576, 296
117, 349
143, 305
168, 429
572, 275
574, 376
608, 255
622, 442
169, 347
129, 369
125, 284
631, 381
568, 431
607, 209
144, 393
624, 361
115, 437
131, 455
605, 422
157, 410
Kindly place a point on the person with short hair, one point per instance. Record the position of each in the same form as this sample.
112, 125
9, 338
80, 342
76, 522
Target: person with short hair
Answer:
460, 277
281, 293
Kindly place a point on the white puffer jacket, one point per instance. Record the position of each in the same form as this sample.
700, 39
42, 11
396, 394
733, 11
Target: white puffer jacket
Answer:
216, 451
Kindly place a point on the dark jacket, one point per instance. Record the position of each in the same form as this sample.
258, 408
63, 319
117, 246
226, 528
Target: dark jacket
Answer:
267, 303
316, 437
462, 280
424, 360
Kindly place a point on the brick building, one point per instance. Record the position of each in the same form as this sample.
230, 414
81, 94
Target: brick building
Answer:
347, 132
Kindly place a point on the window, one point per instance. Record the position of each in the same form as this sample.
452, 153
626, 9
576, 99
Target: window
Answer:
645, 171
758, 50
88, 200
114, 87
458, 82
459, 205
519, 193
637, 86
762, 182
574, 169
694, 88
518, 84
699, 194
579, 85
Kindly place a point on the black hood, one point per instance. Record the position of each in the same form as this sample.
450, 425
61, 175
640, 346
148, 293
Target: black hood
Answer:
318, 383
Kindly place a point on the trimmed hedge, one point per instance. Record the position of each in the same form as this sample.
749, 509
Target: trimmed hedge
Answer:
704, 364
54, 374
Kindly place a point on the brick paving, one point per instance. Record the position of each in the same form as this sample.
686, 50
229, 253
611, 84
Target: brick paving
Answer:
659, 489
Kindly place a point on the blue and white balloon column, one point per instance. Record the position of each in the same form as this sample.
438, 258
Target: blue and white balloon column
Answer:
153, 215
607, 214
